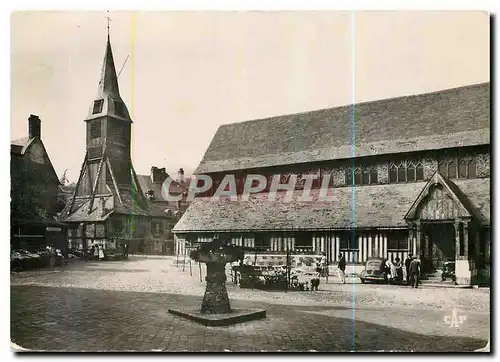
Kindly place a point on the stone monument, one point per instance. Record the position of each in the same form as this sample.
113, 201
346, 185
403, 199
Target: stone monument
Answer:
215, 309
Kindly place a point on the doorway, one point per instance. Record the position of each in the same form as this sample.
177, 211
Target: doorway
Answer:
438, 246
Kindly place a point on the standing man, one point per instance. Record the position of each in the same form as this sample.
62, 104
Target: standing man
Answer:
341, 267
324, 266
415, 272
407, 268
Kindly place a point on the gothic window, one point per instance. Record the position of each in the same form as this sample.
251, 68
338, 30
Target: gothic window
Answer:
361, 176
471, 169
410, 172
349, 177
357, 176
393, 173
402, 172
406, 172
95, 129
374, 175
366, 177
443, 168
462, 169
97, 106
119, 108
452, 169
419, 172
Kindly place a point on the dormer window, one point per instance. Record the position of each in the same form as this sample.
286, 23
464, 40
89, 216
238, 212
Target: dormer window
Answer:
120, 109
98, 106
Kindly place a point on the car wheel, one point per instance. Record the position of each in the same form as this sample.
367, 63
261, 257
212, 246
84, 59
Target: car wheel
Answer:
363, 281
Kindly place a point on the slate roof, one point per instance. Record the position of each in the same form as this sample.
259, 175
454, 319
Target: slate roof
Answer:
20, 145
81, 210
382, 206
450, 118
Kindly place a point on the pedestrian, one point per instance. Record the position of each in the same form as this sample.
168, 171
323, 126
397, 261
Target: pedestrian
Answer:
101, 253
397, 273
388, 269
122, 247
407, 267
415, 272
96, 251
341, 268
324, 267
126, 250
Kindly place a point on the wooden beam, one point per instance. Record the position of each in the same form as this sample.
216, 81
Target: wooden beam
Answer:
96, 182
108, 163
84, 167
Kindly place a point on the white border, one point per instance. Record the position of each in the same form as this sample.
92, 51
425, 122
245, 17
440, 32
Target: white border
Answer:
6, 9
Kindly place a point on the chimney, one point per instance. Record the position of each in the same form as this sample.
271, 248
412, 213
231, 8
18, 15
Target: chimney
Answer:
180, 176
34, 126
158, 175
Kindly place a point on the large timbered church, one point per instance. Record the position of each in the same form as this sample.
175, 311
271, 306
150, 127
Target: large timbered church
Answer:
407, 175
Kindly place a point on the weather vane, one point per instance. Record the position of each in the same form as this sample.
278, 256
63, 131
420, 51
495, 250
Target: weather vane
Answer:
108, 18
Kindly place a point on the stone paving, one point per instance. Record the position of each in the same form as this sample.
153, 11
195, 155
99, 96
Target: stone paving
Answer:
123, 306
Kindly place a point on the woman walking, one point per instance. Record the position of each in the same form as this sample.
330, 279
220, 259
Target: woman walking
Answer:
101, 253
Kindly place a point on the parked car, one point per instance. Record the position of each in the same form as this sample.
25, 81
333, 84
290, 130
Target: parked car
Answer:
374, 271
448, 271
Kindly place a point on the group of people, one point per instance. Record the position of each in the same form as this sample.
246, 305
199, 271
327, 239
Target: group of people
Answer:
323, 270
410, 273
97, 251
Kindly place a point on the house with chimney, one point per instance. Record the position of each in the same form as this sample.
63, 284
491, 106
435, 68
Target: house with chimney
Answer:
34, 190
164, 213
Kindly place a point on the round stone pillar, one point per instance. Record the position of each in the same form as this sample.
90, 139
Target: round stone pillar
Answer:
216, 300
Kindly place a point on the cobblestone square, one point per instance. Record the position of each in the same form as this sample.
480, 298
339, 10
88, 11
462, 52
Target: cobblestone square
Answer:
122, 306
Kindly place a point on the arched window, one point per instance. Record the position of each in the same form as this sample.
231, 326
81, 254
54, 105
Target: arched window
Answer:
393, 173
357, 176
452, 169
419, 172
410, 172
401, 172
443, 168
374, 175
462, 169
366, 177
349, 177
471, 169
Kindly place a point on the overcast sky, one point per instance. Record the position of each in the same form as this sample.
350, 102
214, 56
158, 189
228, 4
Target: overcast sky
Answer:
188, 73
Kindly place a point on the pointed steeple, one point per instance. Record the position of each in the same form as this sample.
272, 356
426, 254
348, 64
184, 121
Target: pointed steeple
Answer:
108, 84
108, 101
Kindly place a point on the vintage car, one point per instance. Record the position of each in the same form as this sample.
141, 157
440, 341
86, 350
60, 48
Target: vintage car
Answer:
374, 271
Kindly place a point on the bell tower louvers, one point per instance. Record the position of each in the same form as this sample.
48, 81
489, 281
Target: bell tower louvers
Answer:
107, 170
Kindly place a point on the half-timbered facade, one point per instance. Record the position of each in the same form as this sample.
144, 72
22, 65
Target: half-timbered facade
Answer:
409, 175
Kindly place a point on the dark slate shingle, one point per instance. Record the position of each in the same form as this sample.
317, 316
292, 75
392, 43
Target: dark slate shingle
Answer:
449, 118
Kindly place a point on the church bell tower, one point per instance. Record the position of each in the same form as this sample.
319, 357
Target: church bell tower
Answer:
107, 169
